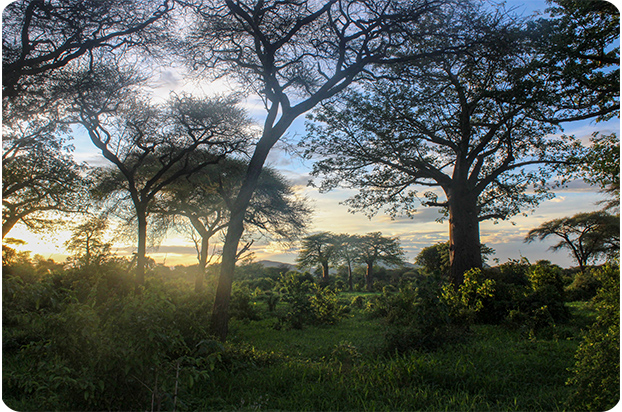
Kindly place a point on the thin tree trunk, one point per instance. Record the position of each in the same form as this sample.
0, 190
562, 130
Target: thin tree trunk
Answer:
350, 276
464, 244
325, 272
220, 313
199, 284
142, 246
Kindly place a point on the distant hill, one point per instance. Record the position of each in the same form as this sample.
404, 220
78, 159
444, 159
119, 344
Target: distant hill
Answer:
273, 264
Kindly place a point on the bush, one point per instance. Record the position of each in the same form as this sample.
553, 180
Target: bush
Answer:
596, 373
242, 307
584, 286
325, 306
416, 317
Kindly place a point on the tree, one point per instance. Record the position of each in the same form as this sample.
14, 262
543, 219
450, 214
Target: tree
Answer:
601, 166
42, 37
40, 179
579, 42
588, 236
295, 54
346, 250
203, 200
476, 125
152, 146
318, 249
87, 242
374, 248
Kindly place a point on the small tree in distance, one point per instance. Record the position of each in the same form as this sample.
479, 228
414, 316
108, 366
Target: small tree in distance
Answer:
318, 249
374, 248
87, 242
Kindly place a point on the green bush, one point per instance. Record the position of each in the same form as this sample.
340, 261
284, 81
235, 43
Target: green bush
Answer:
596, 373
325, 306
416, 317
242, 306
584, 286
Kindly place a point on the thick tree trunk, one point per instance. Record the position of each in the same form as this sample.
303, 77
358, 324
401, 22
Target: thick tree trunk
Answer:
199, 284
350, 285
141, 252
325, 272
464, 244
369, 273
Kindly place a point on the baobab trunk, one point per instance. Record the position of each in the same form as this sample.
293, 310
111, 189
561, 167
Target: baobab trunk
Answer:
369, 273
464, 244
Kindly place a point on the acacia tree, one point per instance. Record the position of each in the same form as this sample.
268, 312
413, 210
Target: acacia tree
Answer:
295, 54
202, 200
588, 236
318, 249
87, 242
40, 180
374, 248
41, 37
43, 42
153, 146
476, 125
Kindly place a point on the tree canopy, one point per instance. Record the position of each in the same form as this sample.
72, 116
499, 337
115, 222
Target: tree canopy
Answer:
477, 125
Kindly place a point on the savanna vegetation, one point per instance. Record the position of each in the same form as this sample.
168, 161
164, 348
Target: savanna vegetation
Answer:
459, 98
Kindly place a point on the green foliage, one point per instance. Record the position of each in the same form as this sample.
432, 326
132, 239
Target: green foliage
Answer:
584, 286
468, 300
596, 378
242, 306
417, 317
308, 303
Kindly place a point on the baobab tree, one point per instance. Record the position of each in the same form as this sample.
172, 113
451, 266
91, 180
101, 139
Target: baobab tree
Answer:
479, 126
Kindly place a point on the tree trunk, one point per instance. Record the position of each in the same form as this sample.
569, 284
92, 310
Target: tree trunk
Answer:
141, 252
219, 326
369, 273
325, 272
199, 284
464, 245
351, 287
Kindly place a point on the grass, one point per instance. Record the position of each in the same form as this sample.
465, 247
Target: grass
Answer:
341, 367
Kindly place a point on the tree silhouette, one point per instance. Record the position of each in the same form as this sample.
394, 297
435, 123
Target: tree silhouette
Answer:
374, 248
87, 243
153, 146
203, 198
295, 54
586, 235
318, 249
40, 179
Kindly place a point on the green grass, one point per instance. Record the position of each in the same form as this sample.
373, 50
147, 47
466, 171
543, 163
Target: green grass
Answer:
496, 369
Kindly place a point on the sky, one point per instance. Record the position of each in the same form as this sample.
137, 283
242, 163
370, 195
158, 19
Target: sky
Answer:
506, 238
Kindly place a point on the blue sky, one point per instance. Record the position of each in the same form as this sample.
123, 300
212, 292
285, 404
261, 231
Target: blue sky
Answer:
330, 215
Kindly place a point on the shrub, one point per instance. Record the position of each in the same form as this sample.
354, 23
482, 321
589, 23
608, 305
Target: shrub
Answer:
242, 307
416, 317
325, 306
468, 300
584, 286
596, 378
358, 302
